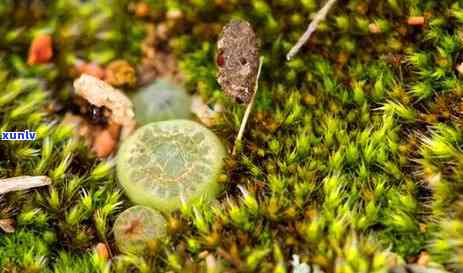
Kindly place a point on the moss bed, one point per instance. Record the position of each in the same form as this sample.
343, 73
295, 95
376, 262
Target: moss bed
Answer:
352, 158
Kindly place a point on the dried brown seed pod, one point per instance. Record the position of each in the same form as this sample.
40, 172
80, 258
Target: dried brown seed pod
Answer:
238, 60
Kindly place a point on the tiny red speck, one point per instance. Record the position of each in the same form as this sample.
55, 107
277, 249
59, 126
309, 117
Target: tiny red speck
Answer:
220, 59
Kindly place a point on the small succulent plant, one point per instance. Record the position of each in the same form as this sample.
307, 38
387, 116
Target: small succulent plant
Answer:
137, 228
161, 100
164, 162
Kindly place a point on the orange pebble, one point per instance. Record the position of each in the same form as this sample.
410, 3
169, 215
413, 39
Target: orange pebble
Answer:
423, 258
374, 28
119, 73
102, 251
174, 14
142, 9
416, 21
91, 69
103, 144
41, 50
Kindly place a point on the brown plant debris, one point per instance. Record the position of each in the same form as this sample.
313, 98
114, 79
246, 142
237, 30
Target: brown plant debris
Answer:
101, 94
22, 183
238, 60
156, 62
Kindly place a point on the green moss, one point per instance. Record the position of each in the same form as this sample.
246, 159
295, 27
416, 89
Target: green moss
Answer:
24, 250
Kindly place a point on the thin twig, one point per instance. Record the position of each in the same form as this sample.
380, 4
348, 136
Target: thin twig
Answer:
321, 14
23, 183
248, 109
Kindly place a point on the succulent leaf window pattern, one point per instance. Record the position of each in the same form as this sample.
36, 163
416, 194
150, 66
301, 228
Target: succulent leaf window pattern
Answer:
165, 161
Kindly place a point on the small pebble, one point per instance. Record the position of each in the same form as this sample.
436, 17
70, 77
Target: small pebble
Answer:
120, 73
174, 14
424, 258
416, 21
142, 9
374, 28
104, 143
100, 94
102, 251
41, 50
92, 69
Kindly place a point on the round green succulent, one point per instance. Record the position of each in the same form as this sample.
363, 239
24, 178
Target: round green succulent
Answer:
167, 161
136, 228
159, 101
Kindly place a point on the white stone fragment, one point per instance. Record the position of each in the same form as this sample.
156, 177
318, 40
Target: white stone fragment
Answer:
99, 93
